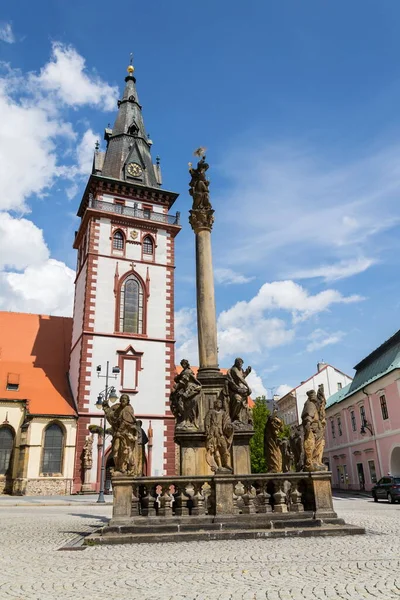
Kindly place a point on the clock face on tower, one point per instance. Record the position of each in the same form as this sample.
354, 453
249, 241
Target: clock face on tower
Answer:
134, 169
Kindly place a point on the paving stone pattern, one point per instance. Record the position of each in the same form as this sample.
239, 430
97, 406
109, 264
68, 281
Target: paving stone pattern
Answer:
356, 568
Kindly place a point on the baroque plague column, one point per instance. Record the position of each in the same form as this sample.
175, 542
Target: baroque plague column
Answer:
214, 388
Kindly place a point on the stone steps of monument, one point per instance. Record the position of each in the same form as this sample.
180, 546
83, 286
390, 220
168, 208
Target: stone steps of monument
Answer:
248, 522
299, 529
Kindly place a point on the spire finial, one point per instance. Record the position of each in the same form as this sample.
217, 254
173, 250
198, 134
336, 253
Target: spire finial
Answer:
131, 68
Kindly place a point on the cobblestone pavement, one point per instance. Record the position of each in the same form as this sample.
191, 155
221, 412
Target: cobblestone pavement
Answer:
356, 568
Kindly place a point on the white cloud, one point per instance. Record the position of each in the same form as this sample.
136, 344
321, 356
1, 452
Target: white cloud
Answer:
47, 288
283, 389
251, 336
185, 333
283, 295
334, 272
66, 75
21, 243
256, 384
6, 33
228, 276
320, 338
28, 160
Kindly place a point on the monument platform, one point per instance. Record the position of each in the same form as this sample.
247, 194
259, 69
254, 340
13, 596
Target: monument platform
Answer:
151, 509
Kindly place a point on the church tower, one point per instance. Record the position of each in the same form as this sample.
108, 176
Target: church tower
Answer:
124, 288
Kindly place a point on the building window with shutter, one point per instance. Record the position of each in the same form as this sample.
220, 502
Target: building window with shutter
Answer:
339, 425
353, 420
333, 428
385, 414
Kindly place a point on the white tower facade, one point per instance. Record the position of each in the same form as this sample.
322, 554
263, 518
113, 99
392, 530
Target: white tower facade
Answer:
124, 291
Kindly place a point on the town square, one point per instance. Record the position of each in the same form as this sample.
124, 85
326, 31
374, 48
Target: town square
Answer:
199, 343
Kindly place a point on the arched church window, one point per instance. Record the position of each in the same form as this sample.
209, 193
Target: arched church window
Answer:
131, 306
6, 448
118, 241
53, 449
148, 245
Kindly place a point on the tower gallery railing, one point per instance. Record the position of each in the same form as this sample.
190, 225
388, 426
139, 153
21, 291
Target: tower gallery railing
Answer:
133, 211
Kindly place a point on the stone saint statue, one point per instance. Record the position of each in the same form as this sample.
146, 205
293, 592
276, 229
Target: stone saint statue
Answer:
287, 456
124, 435
141, 441
87, 457
272, 443
239, 392
297, 448
184, 398
219, 437
198, 186
314, 422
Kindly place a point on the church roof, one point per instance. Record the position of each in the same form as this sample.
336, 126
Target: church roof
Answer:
34, 357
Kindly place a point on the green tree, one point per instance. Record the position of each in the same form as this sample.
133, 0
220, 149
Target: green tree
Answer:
260, 415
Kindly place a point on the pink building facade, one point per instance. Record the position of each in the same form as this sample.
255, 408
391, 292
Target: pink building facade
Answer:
363, 422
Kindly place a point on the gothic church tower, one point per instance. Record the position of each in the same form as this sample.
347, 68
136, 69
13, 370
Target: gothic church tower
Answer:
124, 287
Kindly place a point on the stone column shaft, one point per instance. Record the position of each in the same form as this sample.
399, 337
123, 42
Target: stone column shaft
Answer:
206, 314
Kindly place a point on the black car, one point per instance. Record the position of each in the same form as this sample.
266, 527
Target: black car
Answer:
387, 488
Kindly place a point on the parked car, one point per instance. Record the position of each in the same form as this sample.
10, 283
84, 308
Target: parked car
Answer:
387, 488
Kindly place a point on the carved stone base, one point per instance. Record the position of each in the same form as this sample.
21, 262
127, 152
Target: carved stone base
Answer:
193, 453
241, 452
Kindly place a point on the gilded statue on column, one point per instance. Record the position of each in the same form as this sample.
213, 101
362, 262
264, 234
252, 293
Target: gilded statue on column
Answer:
124, 435
239, 392
219, 437
314, 423
184, 398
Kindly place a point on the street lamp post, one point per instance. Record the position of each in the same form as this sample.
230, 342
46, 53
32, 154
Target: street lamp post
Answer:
107, 393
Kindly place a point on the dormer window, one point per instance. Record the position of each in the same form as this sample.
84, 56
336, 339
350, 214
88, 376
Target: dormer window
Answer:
12, 382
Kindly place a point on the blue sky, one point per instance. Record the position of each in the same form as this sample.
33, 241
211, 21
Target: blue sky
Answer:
298, 105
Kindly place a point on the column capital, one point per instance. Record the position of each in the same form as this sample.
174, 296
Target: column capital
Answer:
201, 218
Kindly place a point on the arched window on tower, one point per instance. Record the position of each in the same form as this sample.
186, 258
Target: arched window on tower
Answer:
118, 240
6, 448
148, 246
53, 449
131, 306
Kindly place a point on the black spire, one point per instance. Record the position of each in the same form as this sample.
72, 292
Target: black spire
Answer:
128, 156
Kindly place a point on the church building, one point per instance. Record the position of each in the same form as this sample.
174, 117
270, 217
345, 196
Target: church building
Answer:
123, 317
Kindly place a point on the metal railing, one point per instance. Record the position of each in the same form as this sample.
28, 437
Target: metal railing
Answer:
133, 211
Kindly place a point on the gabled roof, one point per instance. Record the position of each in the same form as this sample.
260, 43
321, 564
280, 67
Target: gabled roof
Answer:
34, 354
380, 362
293, 391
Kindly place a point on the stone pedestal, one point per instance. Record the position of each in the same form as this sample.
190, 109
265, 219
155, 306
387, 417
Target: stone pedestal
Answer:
322, 492
123, 494
193, 453
241, 452
86, 485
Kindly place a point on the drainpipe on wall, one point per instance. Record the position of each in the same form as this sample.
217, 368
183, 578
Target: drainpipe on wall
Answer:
378, 454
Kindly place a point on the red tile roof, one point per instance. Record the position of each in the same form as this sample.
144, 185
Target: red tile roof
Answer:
34, 353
